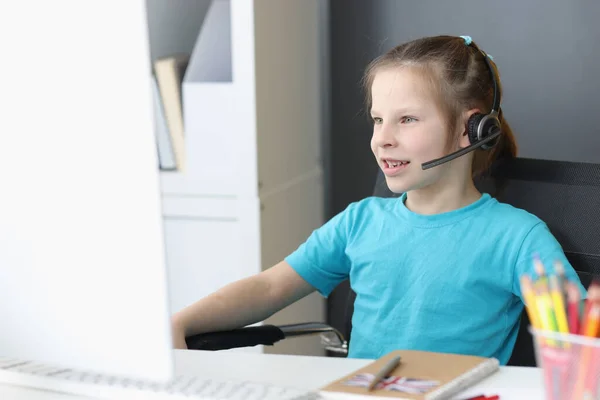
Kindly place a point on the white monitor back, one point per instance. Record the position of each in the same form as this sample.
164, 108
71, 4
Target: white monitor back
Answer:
82, 265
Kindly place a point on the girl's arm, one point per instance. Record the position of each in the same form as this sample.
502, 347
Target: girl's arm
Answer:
241, 303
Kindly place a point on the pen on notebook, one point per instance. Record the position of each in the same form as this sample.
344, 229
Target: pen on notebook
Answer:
383, 372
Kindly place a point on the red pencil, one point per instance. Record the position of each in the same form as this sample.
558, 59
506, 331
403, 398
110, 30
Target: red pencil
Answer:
573, 300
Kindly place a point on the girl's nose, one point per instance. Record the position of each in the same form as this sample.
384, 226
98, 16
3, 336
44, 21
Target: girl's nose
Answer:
384, 137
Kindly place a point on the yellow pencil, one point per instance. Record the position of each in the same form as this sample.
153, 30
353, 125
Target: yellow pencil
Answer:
541, 273
530, 301
559, 307
544, 290
545, 313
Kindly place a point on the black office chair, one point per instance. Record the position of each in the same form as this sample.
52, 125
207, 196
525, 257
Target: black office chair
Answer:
566, 195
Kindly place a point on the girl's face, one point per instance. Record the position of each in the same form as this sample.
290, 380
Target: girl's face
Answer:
408, 130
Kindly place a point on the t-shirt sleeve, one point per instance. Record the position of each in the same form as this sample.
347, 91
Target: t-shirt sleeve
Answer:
540, 243
321, 260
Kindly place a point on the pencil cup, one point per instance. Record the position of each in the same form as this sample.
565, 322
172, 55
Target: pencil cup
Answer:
570, 365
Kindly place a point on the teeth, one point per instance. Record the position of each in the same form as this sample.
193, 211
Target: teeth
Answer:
392, 164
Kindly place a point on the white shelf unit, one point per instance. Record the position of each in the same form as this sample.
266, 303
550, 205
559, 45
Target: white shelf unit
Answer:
254, 97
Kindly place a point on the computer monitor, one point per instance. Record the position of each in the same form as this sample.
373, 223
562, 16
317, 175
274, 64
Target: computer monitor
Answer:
83, 281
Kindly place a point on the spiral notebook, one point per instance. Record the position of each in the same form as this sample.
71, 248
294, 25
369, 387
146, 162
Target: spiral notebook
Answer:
420, 375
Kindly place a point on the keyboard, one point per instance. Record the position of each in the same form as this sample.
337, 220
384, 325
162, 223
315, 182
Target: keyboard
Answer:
41, 376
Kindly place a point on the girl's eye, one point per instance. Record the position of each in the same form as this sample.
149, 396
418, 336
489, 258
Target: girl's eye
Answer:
377, 120
405, 120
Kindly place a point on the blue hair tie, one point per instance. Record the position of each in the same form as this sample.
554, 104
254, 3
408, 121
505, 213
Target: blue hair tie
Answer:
467, 39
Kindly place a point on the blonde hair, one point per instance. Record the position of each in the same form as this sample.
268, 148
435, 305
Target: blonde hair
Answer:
459, 79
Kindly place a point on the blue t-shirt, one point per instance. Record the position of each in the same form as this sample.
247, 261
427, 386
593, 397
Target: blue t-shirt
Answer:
447, 282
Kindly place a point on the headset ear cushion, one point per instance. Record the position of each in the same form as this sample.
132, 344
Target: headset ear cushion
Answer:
488, 128
472, 126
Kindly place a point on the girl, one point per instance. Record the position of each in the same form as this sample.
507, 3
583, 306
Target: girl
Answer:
435, 269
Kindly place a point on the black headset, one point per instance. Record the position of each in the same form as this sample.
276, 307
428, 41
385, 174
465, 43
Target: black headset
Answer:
483, 129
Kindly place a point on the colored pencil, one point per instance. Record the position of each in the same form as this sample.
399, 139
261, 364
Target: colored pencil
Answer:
559, 269
588, 370
592, 374
555, 304
574, 300
530, 301
586, 356
592, 324
593, 293
556, 293
546, 310
543, 290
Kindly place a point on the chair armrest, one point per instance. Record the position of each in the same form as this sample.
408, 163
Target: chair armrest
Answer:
331, 338
242, 337
267, 335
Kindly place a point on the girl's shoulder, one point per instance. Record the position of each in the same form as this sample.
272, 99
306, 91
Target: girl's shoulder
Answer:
508, 214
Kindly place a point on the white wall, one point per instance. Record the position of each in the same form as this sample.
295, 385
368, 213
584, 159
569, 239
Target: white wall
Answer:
289, 108
253, 188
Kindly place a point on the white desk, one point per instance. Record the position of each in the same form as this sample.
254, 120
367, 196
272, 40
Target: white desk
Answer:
304, 372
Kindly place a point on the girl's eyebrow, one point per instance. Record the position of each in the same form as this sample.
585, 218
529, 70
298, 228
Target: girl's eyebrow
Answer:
402, 110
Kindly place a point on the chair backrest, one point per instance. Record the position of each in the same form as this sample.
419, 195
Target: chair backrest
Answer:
565, 195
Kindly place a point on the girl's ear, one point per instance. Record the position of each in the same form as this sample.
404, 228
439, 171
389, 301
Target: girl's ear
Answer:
464, 138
